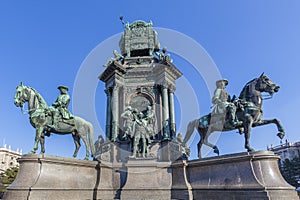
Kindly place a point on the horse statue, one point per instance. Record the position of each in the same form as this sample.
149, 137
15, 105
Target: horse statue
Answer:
40, 119
249, 112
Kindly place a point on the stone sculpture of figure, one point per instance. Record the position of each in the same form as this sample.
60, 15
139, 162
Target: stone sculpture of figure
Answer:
98, 143
222, 104
162, 55
151, 118
184, 149
128, 117
179, 138
117, 57
140, 133
60, 107
166, 130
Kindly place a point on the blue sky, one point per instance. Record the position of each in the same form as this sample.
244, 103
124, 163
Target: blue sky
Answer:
44, 44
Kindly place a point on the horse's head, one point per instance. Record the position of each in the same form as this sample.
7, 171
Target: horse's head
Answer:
264, 84
20, 96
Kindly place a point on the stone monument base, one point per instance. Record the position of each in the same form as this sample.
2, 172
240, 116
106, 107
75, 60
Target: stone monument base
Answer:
147, 179
237, 176
50, 177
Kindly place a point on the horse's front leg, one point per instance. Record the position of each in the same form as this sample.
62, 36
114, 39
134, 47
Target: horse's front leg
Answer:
272, 121
38, 133
248, 122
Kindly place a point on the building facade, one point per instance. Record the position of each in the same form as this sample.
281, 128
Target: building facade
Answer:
8, 158
287, 150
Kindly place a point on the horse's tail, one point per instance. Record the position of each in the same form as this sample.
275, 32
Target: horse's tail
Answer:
190, 129
91, 138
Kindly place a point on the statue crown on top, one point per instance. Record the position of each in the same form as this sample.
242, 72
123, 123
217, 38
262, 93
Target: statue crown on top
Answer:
139, 39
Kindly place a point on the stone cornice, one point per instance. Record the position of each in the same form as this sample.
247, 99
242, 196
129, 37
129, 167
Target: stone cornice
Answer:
170, 69
116, 67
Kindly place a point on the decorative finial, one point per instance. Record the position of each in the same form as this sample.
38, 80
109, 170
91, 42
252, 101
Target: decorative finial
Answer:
121, 18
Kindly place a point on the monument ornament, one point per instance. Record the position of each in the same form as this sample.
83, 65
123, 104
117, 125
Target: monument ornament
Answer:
140, 111
55, 119
117, 57
242, 113
139, 39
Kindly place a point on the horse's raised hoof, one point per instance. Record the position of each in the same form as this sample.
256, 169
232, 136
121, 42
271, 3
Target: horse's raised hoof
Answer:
216, 150
241, 130
280, 135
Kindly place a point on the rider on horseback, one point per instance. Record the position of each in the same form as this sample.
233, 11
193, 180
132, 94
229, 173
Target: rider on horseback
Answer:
223, 105
60, 107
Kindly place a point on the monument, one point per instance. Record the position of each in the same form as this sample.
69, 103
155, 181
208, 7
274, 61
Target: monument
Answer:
140, 86
142, 156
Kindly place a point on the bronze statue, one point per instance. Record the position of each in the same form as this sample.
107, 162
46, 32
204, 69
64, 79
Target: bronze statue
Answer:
60, 108
249, 112
162, 56
139, 128
117, 57
99, 143
151, 119
42, 119
139, 37
223, 105
141, 133
128, 126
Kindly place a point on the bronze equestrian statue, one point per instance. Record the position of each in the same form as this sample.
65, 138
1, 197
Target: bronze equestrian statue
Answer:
42, 118
242, 114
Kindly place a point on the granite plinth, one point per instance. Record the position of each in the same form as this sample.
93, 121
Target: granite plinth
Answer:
51, 177
237, 176
147, 179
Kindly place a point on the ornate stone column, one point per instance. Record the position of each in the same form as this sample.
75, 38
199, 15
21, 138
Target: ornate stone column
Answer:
166, 118
172, 113
108, 113
115, 112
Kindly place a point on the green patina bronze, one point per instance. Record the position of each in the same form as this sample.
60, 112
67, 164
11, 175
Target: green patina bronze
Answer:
139, 38
222, 104
117, 57
56, 119
59, 108
241, 113
140, 129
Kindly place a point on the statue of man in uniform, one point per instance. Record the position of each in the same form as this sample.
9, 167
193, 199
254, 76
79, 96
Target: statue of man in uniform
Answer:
128, 117
141, 133
151, 117
60, 106
222, 104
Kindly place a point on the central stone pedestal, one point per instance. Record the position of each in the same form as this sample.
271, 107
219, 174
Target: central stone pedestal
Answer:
147, 179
